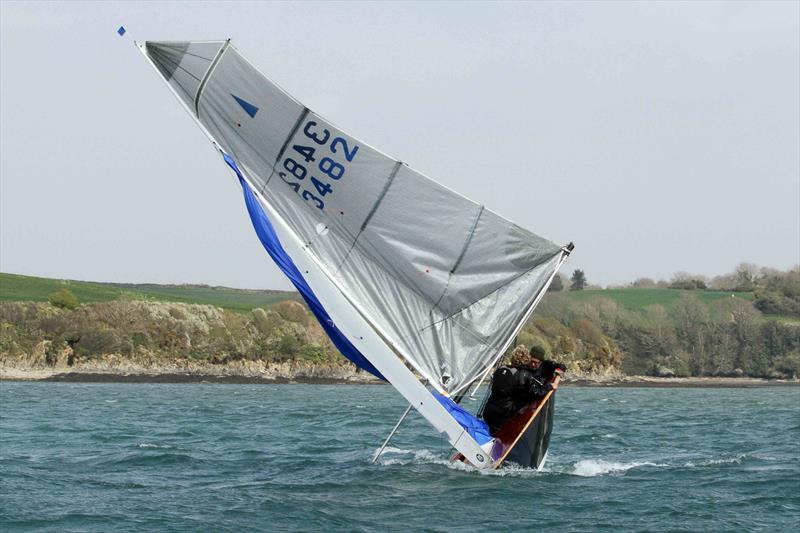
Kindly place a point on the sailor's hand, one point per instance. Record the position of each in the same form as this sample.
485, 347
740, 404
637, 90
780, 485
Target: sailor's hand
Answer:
548, 387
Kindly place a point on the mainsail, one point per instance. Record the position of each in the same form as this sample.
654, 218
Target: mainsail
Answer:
443, 283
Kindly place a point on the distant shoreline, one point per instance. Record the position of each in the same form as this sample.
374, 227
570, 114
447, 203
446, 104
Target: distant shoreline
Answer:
55, 376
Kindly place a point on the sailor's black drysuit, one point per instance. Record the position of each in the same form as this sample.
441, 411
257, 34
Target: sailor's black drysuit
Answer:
513, 388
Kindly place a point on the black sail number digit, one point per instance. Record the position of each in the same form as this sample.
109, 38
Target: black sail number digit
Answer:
348, 154
297, 170
328, 166
313, 134
308, 196
295, 186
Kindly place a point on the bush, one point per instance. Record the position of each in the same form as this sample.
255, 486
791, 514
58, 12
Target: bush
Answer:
549, 326
781, 295
63, 299
293, 312
688, 284
788, 365
288, 346
588, 332
266, 322
97, 341
313, 353
565, 345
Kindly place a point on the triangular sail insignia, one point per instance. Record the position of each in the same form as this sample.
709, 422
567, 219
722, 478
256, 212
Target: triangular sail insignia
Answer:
443, 280
249, 108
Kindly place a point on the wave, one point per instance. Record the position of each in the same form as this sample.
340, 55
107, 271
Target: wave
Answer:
713, 462
392, 456
599, 467
157, 446
583, 467
398, 456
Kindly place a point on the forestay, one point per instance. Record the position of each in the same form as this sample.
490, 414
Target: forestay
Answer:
445, 281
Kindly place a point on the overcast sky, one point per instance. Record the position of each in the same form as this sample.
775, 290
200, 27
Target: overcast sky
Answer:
657, 137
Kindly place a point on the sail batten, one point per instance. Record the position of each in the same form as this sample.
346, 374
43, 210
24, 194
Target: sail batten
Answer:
444, 280
207, 74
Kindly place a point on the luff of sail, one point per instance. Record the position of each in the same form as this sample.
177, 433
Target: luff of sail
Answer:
443, 279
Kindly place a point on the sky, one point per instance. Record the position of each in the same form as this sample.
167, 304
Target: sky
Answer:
658, 137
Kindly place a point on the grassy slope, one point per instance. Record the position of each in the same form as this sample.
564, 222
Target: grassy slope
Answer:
16, 287
638, 299
22, 288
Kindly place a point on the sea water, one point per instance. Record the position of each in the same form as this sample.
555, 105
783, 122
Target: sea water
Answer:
186, 457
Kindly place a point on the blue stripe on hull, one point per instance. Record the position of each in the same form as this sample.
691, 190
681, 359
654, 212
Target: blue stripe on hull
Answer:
477, 428
269, 239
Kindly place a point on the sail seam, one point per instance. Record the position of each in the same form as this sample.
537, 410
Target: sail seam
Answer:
506, 284
210, 118
460, 256
372, 211
289, 137
382, 195
207, 75
469, 240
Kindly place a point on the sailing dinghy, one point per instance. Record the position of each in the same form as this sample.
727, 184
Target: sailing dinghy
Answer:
411, 281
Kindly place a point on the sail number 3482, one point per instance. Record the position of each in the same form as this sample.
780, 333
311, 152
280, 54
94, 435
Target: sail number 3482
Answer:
296, 163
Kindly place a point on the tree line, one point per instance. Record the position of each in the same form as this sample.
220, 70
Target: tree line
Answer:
730, 336
775, 292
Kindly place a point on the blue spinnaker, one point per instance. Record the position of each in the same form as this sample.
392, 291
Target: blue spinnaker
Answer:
477, 428
269, 239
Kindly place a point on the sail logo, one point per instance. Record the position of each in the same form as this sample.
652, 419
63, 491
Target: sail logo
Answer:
249, 108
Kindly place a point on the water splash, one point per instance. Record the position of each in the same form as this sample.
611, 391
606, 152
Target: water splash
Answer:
397, 456
599, 467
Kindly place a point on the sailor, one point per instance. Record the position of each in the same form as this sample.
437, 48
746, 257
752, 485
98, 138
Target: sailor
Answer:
514, 386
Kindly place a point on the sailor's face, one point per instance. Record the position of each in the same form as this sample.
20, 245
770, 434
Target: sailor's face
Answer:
535, 363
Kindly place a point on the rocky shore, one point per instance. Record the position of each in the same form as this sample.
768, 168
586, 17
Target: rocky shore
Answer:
115, 369
153, 369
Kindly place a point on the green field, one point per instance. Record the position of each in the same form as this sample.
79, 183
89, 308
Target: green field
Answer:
638, 299
28, 288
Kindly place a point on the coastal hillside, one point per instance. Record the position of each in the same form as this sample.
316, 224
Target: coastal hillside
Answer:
663, 332
635, 299
136, 336
18, 288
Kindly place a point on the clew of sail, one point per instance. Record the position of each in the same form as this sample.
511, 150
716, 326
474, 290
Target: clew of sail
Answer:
442, 282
